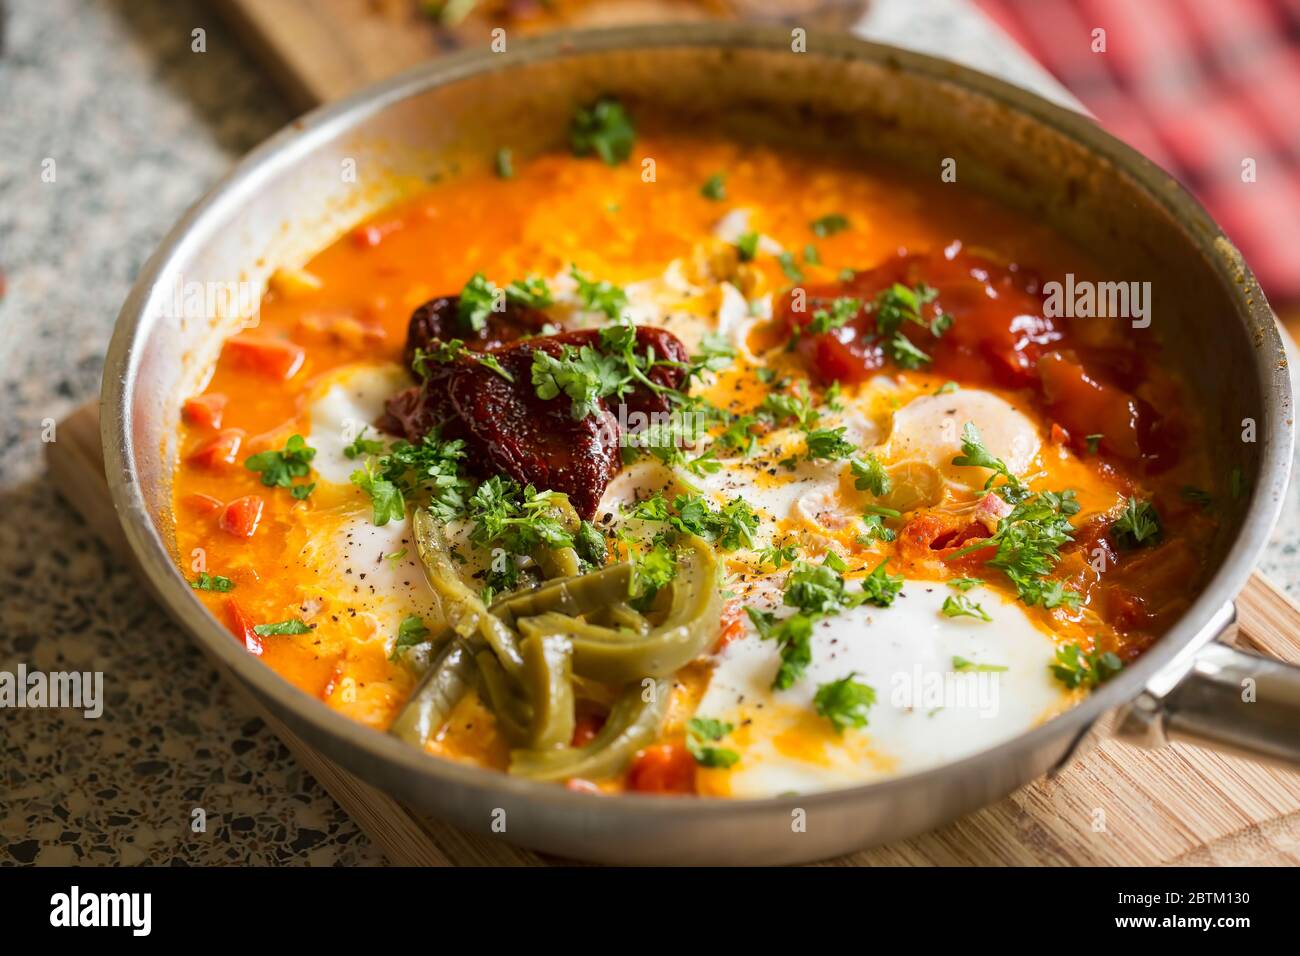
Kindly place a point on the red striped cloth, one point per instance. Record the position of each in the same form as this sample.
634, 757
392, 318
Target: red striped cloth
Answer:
1199, 86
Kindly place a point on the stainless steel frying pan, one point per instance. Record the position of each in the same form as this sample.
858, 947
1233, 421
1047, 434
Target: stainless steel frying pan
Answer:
297, 191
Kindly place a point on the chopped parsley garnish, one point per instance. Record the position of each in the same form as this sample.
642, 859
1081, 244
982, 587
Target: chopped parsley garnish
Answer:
432, 466
790, 267
730, 527
747, 246
738, 436
584, 374
361, 445
504, 164
292, 626
1137, 525
279, 468
870, 475
1196, 496
212, 582
410, 633
842, 309
961, 664
445, 352
514, 518
1027, 546
844, 702
874, 529
1093, 442
603, 128
829, 444
778, 407
599, 296
958, 605
591, 545
715, 188
828, 225
904, 353
702, 731
651, 570
386, 499
880, 587
778, 555
532, 292
479, 298
811, 255
964, 584
1074, 668
974, 454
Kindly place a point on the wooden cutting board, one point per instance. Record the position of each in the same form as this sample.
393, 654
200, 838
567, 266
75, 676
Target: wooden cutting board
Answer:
1179, 805
320, 50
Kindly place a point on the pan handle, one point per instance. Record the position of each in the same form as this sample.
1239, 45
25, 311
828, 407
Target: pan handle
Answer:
1222, 698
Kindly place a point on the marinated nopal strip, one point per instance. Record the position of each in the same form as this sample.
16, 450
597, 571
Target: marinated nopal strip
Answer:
448, 679
576, 596
633, 723
548, 681
617, 656
514, 714
465, 610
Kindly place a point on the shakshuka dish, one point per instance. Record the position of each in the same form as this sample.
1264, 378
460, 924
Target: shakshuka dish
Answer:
674, 464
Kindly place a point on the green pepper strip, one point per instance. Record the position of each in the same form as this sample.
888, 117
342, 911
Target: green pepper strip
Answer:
513, 714
616, 657
464, 608
548, 681
632, 724
578, 595
447, 680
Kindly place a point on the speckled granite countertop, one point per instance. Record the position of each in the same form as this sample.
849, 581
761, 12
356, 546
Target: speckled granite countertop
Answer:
138, 127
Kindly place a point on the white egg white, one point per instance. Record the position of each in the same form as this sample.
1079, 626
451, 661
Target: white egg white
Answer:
925, 714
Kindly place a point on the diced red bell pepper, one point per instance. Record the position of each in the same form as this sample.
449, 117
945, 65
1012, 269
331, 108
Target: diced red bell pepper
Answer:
276, 358
241, 625
242, 515
221, 449
205, 410
663, 768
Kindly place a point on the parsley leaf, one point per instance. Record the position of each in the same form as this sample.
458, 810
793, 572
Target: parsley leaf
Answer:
714, 188
829, 444
1027, 546
478, 299
974, 454
386, 499
532, 292
828, 225
870, 475
279, 468
410, 633
504, 164
880, 587
292, 626
747, 246
603, 128
958, 605
961, 664
361, 445
844, 702
701, 731
212, 582
842, 309
1137, 525
1075, 668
